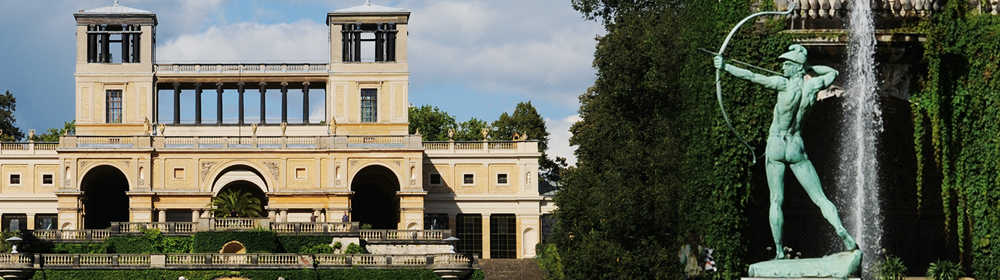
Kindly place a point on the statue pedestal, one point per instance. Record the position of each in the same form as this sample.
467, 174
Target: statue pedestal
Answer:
835, 266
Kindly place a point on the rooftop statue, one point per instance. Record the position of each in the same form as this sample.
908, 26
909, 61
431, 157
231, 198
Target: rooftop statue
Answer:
785, 147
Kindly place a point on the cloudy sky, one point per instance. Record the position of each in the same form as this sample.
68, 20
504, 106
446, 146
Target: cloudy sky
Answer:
470, 58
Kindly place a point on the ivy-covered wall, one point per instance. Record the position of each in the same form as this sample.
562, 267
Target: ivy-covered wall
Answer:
957, 123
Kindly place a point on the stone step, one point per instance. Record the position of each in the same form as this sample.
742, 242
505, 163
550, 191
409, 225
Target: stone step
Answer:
521, 269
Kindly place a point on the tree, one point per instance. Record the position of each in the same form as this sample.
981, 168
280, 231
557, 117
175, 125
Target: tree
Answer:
526, 119
235, 203
432, 123
471, 130
52, 134
10, 132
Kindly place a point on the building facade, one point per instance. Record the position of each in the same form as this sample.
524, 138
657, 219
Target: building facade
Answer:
141, 154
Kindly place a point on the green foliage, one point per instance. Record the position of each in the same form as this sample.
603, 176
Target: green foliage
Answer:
253, 241
337, 245
944, 270
295, 243
354, 249
8, 130
471, 130
79, 248
548, 259
150, 242
527, 120
297, 274
432, 122
654, 157
891, 268
366, 226
956, 125
477, 275
317, 249
52, 134
235, 203
6, 246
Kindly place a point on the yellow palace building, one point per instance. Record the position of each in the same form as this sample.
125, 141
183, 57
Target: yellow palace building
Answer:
138, 157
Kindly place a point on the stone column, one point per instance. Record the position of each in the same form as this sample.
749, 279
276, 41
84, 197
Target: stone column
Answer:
486, 236
284, 102
283, 216
241, 91
177, 103
218, 103
263, 103
305, 102
318, 214
161, 215
272, 216
195, 215
197, 103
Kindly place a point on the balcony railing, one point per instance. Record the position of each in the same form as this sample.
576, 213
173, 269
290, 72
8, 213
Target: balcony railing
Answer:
71, 234
284, 142
438, 147
385, 234
293, 227
817, 9
227, 261
27, 147
233, 68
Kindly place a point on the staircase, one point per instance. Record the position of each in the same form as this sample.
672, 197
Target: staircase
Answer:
520, 269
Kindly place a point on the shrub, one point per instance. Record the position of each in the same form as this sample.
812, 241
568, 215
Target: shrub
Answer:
253, 241
547, 257
891, 268
354, 249
944, 270
294, 243
317, 249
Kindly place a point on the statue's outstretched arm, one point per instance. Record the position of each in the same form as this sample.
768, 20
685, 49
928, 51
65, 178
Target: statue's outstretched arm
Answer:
769, 82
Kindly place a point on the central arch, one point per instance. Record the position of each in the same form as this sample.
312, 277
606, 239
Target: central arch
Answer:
244, 179
375, 201
104, 197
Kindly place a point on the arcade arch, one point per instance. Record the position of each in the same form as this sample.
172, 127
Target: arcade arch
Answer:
375, 199
105, 197
245, 179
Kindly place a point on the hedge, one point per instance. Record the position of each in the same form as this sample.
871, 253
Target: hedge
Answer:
294, 243
302, 274
253, 241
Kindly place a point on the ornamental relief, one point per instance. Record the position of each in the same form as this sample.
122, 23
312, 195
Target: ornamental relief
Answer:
206, 166
392, 164
273, 166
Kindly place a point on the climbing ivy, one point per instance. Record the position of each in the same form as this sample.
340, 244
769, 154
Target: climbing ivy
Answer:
957, 120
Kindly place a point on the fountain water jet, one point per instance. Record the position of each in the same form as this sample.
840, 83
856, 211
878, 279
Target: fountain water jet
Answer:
857, 177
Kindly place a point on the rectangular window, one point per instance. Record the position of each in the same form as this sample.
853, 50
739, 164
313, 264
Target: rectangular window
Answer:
46, 221
15, 179
14, 222
468, 179
300, 173
503, 236
548, 221
502, 179
47, 179
435, 221
369, 105
469, 231
434, 179
114, 106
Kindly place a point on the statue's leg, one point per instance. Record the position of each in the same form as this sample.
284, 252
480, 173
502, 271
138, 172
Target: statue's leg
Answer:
806, 174
776, 186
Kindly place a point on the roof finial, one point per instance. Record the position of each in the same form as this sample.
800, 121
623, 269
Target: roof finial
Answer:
116, 2
367, 2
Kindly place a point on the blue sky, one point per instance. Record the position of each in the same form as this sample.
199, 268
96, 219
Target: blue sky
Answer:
469, 58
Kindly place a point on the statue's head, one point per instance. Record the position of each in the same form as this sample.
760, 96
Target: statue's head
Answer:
792, 61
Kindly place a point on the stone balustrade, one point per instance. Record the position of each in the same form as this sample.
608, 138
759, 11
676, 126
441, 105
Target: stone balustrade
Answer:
386, 234
28, 148
164, 227
300, 227
232, 142
71, 235
239, 68
819, 9
491, 147
234, 261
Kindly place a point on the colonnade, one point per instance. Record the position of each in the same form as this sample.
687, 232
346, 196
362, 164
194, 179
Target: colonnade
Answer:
241, 87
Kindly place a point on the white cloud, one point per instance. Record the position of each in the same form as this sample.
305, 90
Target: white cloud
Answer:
559, 138
303, 40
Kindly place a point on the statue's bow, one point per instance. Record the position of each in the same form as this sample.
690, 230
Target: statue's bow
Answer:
718, 86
